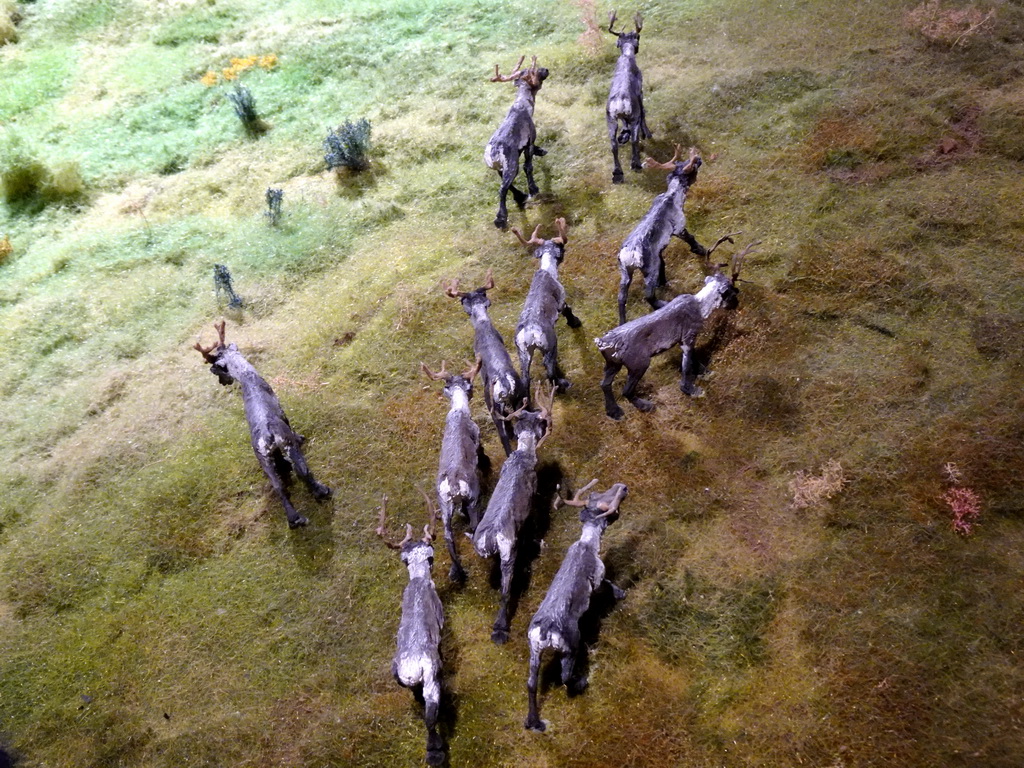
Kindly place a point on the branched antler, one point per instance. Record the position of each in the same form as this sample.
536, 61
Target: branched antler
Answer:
206, 351
381, 531
611, 23
563, 231
723, 239
576, 500
516, 72
534, 240
650, 162
737, 260
441, 375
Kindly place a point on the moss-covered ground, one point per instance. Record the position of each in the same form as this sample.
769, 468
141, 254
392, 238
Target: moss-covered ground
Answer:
155, 609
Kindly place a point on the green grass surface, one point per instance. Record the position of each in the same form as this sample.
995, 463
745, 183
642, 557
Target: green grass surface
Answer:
155, 610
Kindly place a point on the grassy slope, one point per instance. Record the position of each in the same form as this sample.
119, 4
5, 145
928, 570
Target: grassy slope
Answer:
144, 565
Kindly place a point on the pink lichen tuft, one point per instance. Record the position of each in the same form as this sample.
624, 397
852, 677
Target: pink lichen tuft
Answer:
965, 505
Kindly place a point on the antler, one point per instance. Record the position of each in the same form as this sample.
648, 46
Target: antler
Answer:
612, 507
611, 23
205, 351
575, 501
443, 374
563, 231
723, 239
650, 162
516, 72
428, 529
737, 260
516, 413
545, 413
470, 373
534, 240
638, 20
381, 530
490, 281
451, 288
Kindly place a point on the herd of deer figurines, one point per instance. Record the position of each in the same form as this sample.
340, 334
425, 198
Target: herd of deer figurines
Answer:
523, 419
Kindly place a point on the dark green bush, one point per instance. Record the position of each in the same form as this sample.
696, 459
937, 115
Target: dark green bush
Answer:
346, 147
245, 107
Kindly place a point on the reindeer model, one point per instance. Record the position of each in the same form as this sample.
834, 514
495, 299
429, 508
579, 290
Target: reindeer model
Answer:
458, 481
418, 659
503, 390
516, 136
555, 625
626, 98
544, 303
511, 502
677, 322
644, 246
277, 446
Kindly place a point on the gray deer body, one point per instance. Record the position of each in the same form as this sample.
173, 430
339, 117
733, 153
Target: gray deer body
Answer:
277, 446
626, 100
643, 247
417, 661
458, 479
678, 322
555, 625
509, 506
516, 136
503, 389
544, 303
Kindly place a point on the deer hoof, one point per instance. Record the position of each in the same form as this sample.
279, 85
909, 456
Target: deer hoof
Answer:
615, 413
322, 492
499, 636
501, 222
575, 322
642, 405
691, 390
535, 724
298, 522
578, 686
617, 178
457, 575
636, 167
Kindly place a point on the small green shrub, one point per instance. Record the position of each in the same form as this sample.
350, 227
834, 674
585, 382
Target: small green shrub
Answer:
245, 107
24, 177
9, 18
224, 287
346, 147
274, 197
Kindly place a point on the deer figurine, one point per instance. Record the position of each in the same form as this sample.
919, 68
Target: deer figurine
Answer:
277, 446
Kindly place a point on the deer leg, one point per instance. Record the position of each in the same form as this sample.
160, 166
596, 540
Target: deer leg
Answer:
613, 129
688, 381
294, 518
533, 721
575, 684
610, 406
629, 391
504, 430
500, 630
691, 241
483, 463
525, 361
650, 290
528, 169
551, 364
456, 573
662, 280
432, 703
570, 318
507, 177
298, 461
635, 136
625, 278
617, 592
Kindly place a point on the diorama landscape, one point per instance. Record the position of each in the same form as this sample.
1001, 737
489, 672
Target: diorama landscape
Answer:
822, 555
